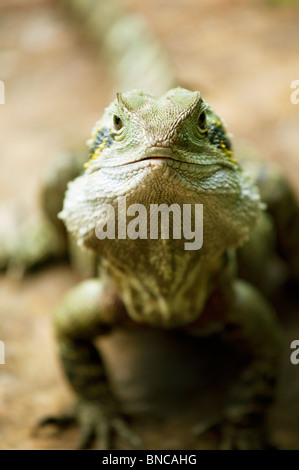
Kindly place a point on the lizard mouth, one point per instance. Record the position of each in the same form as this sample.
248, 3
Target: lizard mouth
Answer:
155, 153
158, 153
155, 157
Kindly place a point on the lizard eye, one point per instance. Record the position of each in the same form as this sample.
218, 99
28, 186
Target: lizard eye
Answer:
117, 122
202, 121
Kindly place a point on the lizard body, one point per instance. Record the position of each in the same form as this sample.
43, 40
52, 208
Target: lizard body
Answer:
162, 155
169, 150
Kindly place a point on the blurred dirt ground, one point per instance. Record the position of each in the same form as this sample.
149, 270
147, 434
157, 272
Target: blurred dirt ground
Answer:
243, 56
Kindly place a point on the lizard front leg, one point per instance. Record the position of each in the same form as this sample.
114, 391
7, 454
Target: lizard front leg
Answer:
251, 329
89, 310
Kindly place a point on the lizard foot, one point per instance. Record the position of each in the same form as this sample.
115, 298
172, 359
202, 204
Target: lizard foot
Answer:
97, 424
246, 434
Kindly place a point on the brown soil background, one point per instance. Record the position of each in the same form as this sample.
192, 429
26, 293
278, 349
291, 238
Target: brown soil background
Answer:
243, 56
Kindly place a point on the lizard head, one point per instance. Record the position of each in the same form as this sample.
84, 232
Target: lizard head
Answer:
178, 127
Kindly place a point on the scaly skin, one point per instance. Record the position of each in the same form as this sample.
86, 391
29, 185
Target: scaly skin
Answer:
168, 150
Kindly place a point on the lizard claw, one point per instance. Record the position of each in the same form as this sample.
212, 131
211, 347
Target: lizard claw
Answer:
242, 435
61, 422
97, 426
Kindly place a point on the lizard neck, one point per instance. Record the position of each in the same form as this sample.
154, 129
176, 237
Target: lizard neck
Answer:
161, 286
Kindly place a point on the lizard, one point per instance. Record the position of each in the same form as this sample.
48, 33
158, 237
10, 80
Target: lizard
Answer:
175, 150
37, 243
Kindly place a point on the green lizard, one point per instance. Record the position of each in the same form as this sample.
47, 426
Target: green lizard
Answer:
134, 290
171, 150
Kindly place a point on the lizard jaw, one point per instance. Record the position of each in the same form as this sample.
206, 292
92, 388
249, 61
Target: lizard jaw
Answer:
157, 154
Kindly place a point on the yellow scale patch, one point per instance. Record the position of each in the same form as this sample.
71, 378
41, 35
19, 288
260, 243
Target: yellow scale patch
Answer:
99, 149
223, 146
